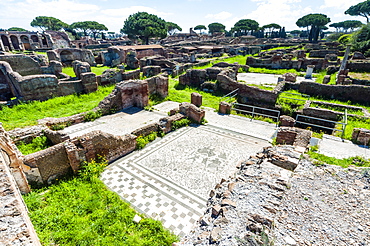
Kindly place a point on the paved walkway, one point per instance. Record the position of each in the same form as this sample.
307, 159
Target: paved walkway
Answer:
117, 124
335, 147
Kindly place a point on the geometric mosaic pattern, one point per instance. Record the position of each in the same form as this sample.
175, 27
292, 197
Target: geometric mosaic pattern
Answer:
170, 179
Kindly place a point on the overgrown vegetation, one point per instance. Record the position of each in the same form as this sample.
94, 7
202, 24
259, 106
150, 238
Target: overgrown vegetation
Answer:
37, 144
142, 141
92, 115
27, 114
180, 123
82, 211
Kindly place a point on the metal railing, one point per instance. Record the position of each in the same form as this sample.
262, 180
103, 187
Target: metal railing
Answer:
229, 96
342, 130
253, 112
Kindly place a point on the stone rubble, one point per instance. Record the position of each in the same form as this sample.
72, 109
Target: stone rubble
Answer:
263, 204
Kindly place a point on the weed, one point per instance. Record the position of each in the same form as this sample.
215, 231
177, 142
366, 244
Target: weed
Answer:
92, 115
180, 123
37, 144
60, 126
142, 141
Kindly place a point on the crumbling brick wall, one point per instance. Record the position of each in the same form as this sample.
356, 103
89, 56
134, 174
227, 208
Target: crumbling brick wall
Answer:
47, 165
158, 85
353, 93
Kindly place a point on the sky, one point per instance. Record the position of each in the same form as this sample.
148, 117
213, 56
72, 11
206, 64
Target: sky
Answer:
185, 13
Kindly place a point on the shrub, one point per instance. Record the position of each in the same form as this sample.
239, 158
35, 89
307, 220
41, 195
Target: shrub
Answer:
142, 141
92, 169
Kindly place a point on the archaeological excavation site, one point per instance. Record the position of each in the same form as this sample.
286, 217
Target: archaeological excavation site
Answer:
153, 136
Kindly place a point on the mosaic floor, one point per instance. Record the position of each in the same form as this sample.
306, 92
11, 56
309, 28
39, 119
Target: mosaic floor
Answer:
171, 178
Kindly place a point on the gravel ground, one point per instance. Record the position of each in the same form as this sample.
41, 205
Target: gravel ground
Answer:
262, 204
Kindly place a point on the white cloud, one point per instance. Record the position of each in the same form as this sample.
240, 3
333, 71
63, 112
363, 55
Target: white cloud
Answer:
220, 16
339, 4
132, 10
282, 12
22, 13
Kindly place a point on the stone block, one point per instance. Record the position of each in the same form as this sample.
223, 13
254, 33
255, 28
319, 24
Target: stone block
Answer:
150, 71
326, 79
361, 136
224, 108
56, 137
89, 82
146, 130
287, 121
135, 74
80, 67
165, 124
290, 77
192, 112
196, 99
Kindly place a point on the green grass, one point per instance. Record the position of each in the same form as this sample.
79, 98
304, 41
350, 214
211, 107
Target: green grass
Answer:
82, 211
239, 59
98, 70
354, 122
320, 77
320, 159
263, 87
180, 93
37, 144
339, 109
27, 114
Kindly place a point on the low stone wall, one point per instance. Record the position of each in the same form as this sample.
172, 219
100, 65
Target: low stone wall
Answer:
293, 136
358, 66
16, 227
247, 93
47, 165
27, 134
158, 85
196, 77
132, 93
146, 130
361, 136
135, 74
279, 63
353, 93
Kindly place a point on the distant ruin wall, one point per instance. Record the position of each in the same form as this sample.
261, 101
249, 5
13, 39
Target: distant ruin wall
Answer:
247, 93
354, 93
22, 64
